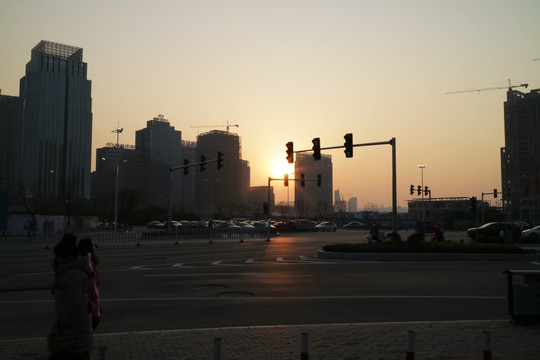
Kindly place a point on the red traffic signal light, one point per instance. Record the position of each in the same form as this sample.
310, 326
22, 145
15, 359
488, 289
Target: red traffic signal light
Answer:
348, 145
265, 208
290, 152
219, 160
316, 148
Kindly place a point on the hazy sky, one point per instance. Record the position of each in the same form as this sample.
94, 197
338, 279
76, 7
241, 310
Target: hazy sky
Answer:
297, 69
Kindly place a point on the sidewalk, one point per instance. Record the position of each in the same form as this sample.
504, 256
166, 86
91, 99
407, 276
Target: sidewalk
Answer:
451, 340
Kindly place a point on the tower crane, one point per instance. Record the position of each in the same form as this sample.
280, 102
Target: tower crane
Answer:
216, 126
509, 87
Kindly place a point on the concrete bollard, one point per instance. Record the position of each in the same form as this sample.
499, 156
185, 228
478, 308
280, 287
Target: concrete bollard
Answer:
410, 345
217, 349
304, 354
487, 345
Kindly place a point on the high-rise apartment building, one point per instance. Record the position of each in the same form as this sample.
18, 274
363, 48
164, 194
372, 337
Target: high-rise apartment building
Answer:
311, 199
520, 158
10, 127
158, 148
222, 190
56, 139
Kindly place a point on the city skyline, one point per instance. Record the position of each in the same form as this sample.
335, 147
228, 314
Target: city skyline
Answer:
292, 71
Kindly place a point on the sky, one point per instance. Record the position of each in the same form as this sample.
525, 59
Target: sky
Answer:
294, 70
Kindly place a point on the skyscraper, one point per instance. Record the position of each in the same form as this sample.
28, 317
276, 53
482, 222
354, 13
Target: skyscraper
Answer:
56, 136
520, 158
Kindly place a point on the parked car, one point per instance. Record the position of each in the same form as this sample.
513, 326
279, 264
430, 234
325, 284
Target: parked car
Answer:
491, 232
326, 226
305, 225
285, 226
533, 233
175, 225
155, 225
354, 225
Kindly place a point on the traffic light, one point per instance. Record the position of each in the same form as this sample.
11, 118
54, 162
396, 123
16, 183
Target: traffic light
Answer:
219, 160
265, 208
412, 190
286, 180
186, 167
302, 180
203, 163
426, 190
316, 148
290, 152
473, 203
319, 178
495, 193
348, 145
419, 189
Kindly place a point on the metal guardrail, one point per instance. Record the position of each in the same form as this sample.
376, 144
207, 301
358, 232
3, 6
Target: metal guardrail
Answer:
138, 236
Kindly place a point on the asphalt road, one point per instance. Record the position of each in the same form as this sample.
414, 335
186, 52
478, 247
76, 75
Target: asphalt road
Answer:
199, 285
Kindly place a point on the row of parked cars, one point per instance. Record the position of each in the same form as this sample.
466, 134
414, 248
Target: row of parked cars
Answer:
497, 231
304, 225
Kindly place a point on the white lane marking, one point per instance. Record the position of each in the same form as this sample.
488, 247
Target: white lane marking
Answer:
216, 262
178, 265
535, 263
279, 259
249, 261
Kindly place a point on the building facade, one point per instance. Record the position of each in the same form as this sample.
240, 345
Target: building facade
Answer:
520, 157
56, 137
158, 148
222, 190
311, 199
10, 129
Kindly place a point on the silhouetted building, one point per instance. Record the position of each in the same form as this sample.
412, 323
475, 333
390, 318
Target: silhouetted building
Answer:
222, 191
520, 158
158, 148
10, 129
104, 178
313, 200
56, 138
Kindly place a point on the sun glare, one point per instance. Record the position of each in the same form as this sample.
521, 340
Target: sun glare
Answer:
280, 167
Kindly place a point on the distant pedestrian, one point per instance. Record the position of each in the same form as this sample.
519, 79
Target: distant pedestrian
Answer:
87, 248
508, 236
374, 233
71, 335
438, 234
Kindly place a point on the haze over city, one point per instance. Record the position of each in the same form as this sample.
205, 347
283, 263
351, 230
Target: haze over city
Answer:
294, 70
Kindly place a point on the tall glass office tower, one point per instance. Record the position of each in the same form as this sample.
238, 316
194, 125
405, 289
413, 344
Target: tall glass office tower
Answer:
56, 140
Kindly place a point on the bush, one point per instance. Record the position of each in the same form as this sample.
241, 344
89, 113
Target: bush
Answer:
416, 239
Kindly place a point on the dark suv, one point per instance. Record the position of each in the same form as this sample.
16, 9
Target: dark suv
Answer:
491, 232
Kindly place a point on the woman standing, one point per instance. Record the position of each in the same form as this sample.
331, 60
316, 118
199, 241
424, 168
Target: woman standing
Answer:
71, 337
87, 249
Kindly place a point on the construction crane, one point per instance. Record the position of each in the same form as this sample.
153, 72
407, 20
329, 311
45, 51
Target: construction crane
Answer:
216, 126
509, 87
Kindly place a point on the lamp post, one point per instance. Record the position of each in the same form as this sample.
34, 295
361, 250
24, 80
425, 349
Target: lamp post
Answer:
118, 130
422, 166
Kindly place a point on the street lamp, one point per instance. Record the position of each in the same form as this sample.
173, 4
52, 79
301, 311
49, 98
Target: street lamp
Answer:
118, 130
422, 166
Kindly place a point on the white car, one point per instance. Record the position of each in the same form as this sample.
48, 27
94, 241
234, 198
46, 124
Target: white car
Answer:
533, 233
326, 226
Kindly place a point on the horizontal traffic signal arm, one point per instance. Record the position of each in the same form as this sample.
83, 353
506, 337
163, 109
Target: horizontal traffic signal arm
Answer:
188, 165
343, 146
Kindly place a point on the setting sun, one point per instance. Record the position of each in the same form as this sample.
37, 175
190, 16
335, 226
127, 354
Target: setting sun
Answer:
279, 167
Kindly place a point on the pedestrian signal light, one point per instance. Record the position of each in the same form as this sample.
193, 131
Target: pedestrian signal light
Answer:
316, 148
348, 145
186, 166
286, 180
290, 152
219, 160
203, 163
